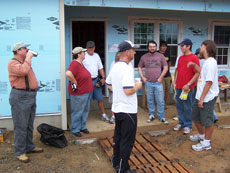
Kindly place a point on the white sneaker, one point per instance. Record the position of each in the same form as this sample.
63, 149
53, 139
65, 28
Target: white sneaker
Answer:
112, 120
105, 118
177, 127
187, 130
151, 118
163, 120
201, 146
196, 138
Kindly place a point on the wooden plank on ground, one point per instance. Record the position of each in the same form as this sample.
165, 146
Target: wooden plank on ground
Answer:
171, 168
158, 146
150, 159
163, 169
186, 167
149, 156
107, 150
135, 161
149, 147
140, 139
179, 167
167, 154
158, 157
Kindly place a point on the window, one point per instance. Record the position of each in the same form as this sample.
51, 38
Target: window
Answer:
222, 40
144, 31
169, 33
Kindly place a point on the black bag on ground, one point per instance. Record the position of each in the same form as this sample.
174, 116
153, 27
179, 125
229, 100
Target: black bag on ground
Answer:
51, 135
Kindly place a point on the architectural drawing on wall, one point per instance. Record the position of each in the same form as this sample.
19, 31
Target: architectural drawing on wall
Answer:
23, 23
17, 23
7, 24
120, 29
199, 31
54, 21
47, 86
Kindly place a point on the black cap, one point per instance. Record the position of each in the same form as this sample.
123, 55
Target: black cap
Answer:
186, 41
126, 45
90, 44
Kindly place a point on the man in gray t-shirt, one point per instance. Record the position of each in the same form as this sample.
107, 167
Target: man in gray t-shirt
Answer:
154, 62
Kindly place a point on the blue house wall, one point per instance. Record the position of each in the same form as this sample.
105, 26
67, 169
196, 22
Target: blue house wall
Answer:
120, 16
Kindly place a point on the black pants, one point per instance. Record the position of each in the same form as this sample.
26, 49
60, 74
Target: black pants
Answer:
124, 137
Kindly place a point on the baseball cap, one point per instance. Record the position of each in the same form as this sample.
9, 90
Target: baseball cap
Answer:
77, 50
186, 41
126, 45
90, 44
19, 46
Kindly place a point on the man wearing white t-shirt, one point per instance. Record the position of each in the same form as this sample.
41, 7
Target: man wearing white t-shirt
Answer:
207, 92
93, 64
121, 79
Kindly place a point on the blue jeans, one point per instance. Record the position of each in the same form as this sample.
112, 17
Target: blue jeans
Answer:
155, 89
79, 111
215, 115
184, 108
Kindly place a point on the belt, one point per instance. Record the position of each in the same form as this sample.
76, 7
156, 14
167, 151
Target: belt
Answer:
32, 90
94, 78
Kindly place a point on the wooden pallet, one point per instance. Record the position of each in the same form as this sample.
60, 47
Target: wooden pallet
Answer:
149, 156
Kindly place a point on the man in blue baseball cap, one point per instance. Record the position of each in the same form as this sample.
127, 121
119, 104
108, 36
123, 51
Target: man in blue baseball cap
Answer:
185, 81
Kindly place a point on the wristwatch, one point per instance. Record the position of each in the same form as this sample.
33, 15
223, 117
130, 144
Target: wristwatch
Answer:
188, 85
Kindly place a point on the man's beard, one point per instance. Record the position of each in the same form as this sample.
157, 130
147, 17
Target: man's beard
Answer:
152, 52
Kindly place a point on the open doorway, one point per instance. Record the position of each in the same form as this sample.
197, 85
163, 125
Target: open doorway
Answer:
83, 31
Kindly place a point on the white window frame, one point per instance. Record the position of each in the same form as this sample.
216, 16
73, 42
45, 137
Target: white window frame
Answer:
212, 24
156, 22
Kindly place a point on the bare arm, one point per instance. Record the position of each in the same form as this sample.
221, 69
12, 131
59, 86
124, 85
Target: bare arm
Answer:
102, 73
141, 74
194, 78
131, 91
207, 86
70, 76
165, 69
110, 88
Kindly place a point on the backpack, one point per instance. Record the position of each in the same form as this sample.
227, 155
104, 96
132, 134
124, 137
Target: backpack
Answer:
51, 135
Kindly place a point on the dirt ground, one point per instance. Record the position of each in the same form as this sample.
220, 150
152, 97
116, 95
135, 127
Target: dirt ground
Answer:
90, 158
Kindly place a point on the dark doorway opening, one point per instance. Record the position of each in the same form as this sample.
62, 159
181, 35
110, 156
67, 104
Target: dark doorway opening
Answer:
83, 31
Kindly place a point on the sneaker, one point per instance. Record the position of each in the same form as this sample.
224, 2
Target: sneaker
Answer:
23, 158
112, 120
187, 130
104, 117
163, 120
196, 138
201, 146
177, 127
151, 118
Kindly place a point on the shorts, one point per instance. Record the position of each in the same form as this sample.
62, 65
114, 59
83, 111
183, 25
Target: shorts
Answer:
204, 115
96, 94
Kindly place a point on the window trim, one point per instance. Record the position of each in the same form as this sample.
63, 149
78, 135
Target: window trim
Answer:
212, 24
156, 22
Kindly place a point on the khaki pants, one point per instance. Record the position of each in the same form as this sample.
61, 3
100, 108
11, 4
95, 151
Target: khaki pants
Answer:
167, 87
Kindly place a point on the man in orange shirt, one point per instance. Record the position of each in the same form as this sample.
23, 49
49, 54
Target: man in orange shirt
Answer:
23, 100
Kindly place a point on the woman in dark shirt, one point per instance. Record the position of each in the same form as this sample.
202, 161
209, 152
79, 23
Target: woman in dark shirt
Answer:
80, 85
